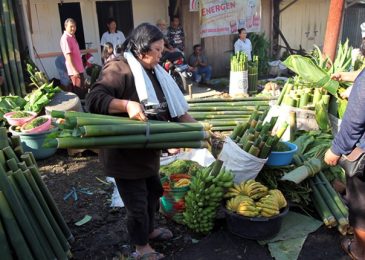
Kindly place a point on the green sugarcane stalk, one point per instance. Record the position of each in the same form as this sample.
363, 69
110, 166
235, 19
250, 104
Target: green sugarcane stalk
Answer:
127, 129
40, 215
14, 233
37, 192
31, 218
88, 142
48, 198
19, 213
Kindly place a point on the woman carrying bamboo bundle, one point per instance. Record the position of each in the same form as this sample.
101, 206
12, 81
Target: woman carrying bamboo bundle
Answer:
135, 85
351, 134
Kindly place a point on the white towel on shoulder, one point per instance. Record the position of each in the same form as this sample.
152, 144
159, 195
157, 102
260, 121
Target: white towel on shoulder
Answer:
146, 93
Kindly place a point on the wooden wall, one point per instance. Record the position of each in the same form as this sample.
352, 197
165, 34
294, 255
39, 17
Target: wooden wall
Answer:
304, 23
218, 48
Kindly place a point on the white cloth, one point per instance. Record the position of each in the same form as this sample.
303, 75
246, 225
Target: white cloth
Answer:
244, 46
362, 27
146, 93
114, 38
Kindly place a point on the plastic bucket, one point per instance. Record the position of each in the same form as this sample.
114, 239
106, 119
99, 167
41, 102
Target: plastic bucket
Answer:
282, 158
258, 228
33, 143
173, 202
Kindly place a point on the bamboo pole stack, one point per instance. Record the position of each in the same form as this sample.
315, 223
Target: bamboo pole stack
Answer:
31, 226
224, 114
253, 72
9, 51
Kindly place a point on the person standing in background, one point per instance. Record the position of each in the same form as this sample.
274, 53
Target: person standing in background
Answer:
112, 35
175, 34
243, 44
71, 51
161, 24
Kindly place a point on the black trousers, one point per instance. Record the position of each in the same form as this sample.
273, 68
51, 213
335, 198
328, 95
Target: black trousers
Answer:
141, 199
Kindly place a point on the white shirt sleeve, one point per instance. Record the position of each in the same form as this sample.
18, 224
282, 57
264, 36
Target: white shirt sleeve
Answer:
103, 39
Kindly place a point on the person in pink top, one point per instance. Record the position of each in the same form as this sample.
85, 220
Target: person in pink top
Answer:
71, 51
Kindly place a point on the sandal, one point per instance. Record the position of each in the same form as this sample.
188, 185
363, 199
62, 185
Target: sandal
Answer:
163, 235
147, 256
346, 246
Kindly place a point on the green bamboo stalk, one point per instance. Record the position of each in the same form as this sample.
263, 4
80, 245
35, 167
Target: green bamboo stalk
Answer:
292, 125
223, 128
40, 215
31, 218
204, 100
235, 117
12, 164
2, 159
82, 121
15, 141
9, 153
106, 141
3, 138
127, 129
249, 104
14, 233
4, 245
224, 122
166, 145
9, 87
10, 47
16, 49
222, 108
49, 199
22, 220
201, 113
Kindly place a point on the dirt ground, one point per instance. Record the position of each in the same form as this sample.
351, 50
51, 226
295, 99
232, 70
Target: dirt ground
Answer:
105, 236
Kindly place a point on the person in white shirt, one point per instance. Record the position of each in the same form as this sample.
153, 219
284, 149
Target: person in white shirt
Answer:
113, 36
243, 44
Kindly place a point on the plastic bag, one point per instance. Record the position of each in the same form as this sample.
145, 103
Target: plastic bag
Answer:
238, 82
243, 165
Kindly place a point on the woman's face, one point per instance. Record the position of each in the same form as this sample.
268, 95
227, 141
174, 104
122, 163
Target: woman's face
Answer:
150, 59
112, 26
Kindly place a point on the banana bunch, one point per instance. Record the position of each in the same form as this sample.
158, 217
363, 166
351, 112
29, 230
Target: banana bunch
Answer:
233, 203
182, 183
279, 198
251, 188
268, 206
203, 199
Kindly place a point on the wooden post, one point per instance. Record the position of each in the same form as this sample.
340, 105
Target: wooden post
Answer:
333, 28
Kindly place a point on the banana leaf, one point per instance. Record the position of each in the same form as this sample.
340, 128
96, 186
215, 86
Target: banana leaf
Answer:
342, 104
311, 72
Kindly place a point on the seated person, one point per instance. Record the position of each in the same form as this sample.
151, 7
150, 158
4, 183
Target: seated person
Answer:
201, 69
108, 52
171, 56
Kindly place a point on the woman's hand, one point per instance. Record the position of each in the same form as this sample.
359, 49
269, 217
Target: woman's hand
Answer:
135, 111
337, 76
330, 158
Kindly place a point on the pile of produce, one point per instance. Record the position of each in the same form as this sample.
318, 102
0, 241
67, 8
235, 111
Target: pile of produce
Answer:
255, 136
252, 199
205, 195
40, 97
180, 166
239, 62
31, 226
120, 132
223, 114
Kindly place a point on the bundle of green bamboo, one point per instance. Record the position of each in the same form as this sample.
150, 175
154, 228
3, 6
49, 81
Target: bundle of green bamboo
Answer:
31, 226
9, 52
86, 130
224, 114
253, 72
328, 204
255, 136
239, 62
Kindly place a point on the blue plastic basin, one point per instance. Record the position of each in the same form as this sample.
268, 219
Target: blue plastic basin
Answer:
282, 158
33, 143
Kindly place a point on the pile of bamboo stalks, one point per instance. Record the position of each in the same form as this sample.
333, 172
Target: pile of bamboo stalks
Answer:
223, 114
31, 226
9, 52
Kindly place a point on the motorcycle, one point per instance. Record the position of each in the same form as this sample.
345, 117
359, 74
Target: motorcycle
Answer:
179, 71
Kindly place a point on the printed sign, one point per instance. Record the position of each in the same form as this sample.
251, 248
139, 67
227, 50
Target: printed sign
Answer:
194, 6
222, 17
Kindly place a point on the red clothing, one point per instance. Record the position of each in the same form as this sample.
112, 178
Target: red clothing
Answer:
69, 45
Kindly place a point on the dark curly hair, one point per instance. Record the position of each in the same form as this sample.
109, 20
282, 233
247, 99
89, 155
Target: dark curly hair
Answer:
140, 40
